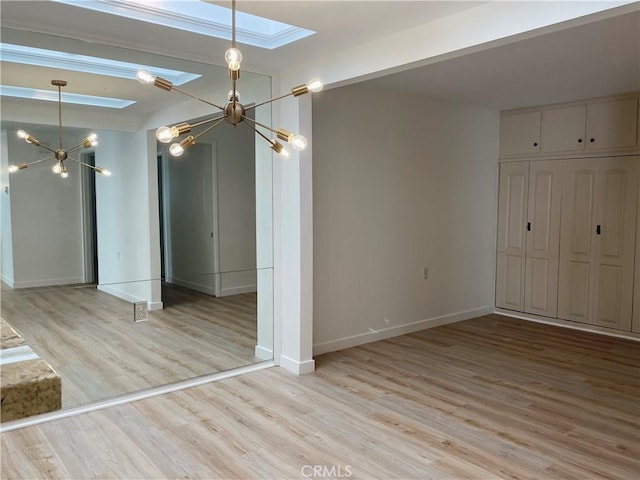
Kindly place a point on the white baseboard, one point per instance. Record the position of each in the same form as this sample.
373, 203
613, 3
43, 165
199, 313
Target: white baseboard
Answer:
384, 333
116, 292
7, 280
198, 287
47, 282
152, 306
239, 289
263, 353
299, 368
568, 324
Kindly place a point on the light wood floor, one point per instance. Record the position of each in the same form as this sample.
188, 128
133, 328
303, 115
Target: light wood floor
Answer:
89, 337
482, 399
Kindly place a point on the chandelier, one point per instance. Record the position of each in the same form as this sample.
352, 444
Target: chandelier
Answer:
233, 111
60, 155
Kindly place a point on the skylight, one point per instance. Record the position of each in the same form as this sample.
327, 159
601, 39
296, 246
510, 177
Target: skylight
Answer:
52, 96
86, 64
200, 17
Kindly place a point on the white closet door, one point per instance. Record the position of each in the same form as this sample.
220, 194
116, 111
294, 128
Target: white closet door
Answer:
615, 238
512, 223
577, 249
542, 253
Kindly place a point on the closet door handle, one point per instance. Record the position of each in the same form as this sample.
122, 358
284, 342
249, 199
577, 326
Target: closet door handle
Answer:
598, 230
528, 226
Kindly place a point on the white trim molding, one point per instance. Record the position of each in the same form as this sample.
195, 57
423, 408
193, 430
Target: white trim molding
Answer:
263, 353
558, 322
384, 333
132, 397
299, 368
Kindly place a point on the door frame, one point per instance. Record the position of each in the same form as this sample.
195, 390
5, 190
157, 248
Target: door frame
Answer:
89, 220
165, 213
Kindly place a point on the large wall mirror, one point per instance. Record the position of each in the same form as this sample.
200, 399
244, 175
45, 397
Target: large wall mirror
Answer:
190, 237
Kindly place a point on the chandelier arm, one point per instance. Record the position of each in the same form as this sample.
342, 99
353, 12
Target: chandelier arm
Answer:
197, 98
39, 161
95, 168
268, 101
211, 127
255, 122
202, 122
46, 147
81, 163
75, 149
263, 135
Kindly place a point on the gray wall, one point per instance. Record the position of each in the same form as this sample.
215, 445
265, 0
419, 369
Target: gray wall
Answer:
400, 183
45, 221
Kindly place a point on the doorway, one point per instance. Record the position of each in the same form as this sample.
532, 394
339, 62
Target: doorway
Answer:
89, 220
189, 218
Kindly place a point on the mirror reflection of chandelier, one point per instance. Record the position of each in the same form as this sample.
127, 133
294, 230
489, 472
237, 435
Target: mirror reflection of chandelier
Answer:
233, 111
60, 155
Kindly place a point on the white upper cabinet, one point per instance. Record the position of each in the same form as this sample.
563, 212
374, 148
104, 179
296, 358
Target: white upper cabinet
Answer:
563, 129
612, 124
587, 128
520, 134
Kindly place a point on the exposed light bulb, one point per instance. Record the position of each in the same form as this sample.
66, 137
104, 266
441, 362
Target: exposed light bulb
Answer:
13, 168
233, 57
315, 85
57, 168
230, 95
284, 153
102, 171
21, 134
176, 149
92, 137
298, 142
166, 134
64, 173
145, 77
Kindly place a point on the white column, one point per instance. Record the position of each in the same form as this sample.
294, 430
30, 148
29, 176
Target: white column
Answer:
294, 249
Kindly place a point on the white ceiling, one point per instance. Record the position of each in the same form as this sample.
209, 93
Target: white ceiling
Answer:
599, 58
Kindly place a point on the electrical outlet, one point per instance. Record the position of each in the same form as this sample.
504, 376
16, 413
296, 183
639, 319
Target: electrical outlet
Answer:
140, 313
425, 273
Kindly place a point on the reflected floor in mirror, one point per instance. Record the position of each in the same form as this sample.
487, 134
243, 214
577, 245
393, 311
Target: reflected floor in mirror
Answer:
91, 341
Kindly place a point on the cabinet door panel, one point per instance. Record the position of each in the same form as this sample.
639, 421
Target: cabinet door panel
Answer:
609, 301
513, 270
538, 278
520, 133
541, 277
512, 218
563, 129
577, 259
578, 285
618, 190
612, 124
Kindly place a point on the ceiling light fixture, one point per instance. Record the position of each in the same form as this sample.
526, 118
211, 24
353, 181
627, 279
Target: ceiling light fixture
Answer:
233, 111
59, 154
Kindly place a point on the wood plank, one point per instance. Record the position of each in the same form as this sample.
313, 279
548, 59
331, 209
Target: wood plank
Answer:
487, 398
90, 340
